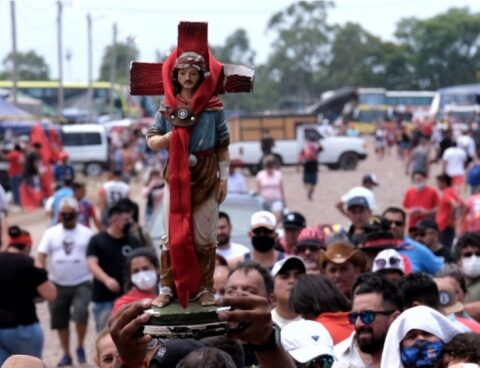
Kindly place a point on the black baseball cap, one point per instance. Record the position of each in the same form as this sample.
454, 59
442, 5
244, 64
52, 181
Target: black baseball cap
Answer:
358, 202
170, 353
294, 220
427, 224
370, 178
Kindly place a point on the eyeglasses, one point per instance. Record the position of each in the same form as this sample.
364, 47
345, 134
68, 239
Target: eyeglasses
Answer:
397, 223
469, 254
393, 261
322, 361
366, 317
262, 231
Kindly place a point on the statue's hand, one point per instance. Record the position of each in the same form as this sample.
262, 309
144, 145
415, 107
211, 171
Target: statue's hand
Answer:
157, 142
222, 190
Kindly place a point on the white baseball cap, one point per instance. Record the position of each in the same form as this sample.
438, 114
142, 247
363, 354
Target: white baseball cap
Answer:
305, 340
263, 219
292, 262
388, 259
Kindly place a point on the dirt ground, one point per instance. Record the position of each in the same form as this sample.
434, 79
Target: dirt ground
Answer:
332, 184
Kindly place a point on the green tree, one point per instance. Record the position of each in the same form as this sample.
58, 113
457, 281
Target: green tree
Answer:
124, 54
30, 66
443, 50
299, 51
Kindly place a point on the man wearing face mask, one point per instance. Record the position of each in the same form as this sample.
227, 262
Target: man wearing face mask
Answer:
420, 200
468, 252
65, 246
264, 238
106, 256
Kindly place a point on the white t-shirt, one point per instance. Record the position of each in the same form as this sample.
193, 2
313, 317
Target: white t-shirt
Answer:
360, 192
67, 254
114, 191
235, 250
236, 183
280, 321
455, 158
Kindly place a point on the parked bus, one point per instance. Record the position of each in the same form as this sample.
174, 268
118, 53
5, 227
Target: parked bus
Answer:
371, 107
76, 99
458, 103
409, 106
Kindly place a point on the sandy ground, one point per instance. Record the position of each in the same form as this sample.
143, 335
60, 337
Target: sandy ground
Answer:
332, 184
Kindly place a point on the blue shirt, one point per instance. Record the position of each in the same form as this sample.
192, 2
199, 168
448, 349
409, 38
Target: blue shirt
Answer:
61, 172
422, 258
209, 130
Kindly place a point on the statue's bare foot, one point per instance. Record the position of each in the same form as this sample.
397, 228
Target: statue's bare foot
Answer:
162, 300
206, 297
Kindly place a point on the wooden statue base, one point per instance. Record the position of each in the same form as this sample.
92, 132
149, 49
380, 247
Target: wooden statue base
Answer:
196, 321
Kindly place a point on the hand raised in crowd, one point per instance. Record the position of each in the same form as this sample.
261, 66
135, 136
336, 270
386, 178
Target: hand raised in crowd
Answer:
125, 328
249, 319
112, 285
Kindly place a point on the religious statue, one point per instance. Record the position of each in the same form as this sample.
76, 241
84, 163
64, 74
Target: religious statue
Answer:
191, 124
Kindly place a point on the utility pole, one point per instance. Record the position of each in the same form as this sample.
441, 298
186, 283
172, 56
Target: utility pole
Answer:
113, 69
14, 52
60, 59
90, 68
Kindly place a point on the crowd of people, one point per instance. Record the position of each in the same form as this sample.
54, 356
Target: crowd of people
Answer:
398, 287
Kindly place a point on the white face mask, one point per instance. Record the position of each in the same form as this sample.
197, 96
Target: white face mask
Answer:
145, 280
420, 186
471, 266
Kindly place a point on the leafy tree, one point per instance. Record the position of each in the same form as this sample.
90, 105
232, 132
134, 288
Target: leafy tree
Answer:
124, 54
30, 66
443, 50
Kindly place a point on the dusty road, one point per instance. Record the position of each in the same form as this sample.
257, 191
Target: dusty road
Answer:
332, 184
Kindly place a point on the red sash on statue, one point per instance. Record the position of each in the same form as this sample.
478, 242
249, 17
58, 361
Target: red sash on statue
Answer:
183, 260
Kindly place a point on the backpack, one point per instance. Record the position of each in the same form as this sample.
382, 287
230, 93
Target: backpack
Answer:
473, 177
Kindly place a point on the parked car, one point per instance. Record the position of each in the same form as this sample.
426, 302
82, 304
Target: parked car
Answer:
339, 152
238, 206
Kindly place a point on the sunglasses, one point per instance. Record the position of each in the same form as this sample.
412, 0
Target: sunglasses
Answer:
262, 231
382, 263
397, 223
469, 254
366, 317
303, 248
323, 361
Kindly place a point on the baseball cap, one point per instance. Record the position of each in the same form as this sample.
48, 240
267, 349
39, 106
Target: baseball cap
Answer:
446, 291
357, 201
378, 239
19, 238
341, 252
305, 340
173, 351
387, 260
370, 178
311, 236
294, 220
427, 224
288, 263
263, 219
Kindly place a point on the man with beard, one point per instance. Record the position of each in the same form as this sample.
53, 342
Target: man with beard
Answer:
233, 253
65, 246
376, 304
264, 238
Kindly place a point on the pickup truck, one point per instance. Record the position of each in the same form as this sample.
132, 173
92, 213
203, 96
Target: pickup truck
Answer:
339, 152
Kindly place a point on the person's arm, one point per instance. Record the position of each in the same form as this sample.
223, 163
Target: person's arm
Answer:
473, 309
101, 275
223, 157
340, 206
41, 260
157, 142
47, 291
95, 219
282, 191
251, 322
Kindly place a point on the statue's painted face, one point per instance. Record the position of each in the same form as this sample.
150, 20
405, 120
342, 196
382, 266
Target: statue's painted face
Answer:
188, 78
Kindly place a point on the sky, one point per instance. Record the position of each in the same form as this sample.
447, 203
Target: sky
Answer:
153, 24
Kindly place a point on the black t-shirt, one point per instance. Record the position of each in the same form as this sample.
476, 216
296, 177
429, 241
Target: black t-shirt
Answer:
445, 253
19, 279
111, 254
31, 159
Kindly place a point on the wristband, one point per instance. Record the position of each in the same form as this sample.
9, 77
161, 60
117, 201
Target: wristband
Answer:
131, 363
223, 167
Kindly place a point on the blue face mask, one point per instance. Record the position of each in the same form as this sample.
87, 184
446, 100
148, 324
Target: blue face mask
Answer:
422, 353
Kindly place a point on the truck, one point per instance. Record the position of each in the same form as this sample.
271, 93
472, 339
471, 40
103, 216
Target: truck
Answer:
289, 132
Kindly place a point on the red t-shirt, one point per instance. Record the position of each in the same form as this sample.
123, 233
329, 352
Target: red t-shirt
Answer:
15, 163
426, 199
337, 325
445, 214
131, 296
472, 221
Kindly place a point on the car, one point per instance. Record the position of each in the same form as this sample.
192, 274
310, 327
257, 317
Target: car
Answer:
239, 206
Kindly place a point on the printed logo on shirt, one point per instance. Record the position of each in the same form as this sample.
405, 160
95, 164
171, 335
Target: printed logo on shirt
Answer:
126, 250
68, 246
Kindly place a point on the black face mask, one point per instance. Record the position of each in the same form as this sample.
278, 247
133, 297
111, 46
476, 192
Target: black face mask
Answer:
263, 243
126, 228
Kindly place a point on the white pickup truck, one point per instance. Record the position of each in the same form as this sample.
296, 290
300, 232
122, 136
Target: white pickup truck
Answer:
339, 152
